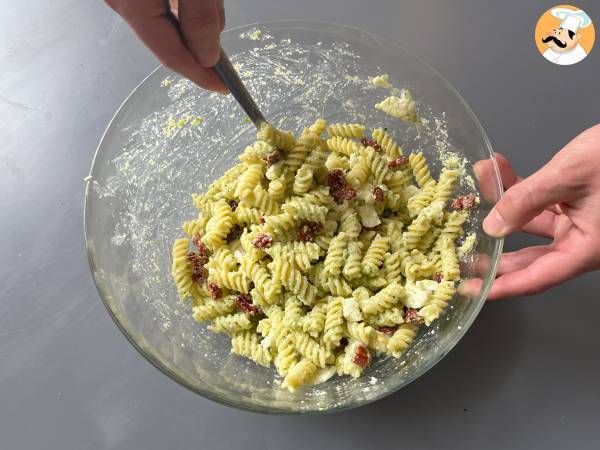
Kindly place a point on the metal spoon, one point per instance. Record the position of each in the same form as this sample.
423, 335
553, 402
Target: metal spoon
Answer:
229, 76
231, 79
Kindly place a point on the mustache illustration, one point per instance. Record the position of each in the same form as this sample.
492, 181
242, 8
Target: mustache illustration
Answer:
556, 41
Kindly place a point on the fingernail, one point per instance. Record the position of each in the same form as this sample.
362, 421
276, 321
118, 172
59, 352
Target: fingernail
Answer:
494, 224
478, 170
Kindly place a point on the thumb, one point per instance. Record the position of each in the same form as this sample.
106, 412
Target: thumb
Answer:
528, 198
200, 22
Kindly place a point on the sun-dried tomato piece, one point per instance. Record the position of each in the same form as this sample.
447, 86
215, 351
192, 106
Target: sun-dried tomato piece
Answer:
203, 251
338, 188
361, 356
262, 240
196, 240
199, 273
244, 303
234, 233
274, 157
469, 201
437, 277
261, 220
464, 202
191, 256
308, 230
336, 180
215, 291
201, 259
370, 143
457, 203
388, 330
398, 162
232, 204
378, 194
349, 193
411, 315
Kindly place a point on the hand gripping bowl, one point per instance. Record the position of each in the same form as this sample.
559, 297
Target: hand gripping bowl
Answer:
170, 139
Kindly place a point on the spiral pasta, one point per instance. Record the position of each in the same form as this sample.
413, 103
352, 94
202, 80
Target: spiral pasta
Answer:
401, 339
377, 164
286, 353
418, 202
387, 143
261, 279
275, 137
359, 173
277, 188
301, 209
336, 161
296, 157
335, 255
181, 268
438, 303
193, 227
334, 323
361, 332
450, 267
311, 349
303, 180
293, 280
214, 309
318, 127
374, 255
299, 375
342, 145
420, 169
391, 266
384, 299
397, 181
350, 224
337, 286
346, 130
249, 180
353, 259
235, 281
256, 153
246, 344
314, 321
386, 318
231, 324
415, 231
299, 253
219, 225
445, 185
308, 252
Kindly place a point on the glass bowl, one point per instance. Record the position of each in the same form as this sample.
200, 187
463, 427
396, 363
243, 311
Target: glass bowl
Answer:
170, 139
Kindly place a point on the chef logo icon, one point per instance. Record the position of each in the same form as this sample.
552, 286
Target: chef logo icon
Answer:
564, 35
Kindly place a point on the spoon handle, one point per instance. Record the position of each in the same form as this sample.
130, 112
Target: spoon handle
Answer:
231, 79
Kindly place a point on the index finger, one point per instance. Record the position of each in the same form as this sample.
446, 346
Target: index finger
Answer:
153, 26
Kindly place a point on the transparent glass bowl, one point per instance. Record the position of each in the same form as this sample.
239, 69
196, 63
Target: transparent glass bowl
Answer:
149, 162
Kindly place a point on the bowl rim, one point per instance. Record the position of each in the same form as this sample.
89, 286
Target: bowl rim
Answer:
248, 406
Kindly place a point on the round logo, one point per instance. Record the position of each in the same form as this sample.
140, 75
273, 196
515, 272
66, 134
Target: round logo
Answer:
565, 35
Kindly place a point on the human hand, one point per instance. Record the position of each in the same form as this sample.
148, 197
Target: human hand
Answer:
561, 201
183, 34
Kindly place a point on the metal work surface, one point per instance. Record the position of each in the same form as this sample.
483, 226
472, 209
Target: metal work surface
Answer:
524, 377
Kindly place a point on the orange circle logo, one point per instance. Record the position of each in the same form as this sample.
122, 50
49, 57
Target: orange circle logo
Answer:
564, 35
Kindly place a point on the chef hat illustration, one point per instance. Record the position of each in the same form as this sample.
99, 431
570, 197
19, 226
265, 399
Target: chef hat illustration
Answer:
571, 20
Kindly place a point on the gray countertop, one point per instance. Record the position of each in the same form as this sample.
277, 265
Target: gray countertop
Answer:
526, 374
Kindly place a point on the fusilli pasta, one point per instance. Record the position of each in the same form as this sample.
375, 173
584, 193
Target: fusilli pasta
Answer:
308, 252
